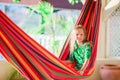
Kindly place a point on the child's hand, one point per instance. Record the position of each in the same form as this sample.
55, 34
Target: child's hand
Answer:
81, 72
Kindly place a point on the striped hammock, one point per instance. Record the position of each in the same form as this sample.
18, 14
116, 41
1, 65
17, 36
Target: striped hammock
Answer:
35, 62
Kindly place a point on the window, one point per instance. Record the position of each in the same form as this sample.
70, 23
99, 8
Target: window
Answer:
113, 35
55, 33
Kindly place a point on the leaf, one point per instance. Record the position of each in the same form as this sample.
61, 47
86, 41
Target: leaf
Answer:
42, 30
44, 8
16, 1
56, 43
74, 1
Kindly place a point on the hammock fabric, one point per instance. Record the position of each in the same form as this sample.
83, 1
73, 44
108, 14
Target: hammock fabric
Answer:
36, 63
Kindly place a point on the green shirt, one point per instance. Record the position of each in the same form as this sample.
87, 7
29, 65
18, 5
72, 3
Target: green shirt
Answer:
80, 54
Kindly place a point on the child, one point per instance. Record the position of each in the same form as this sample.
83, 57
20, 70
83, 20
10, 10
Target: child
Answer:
80, 49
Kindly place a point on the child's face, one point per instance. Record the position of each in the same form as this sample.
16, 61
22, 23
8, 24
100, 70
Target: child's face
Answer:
80, 35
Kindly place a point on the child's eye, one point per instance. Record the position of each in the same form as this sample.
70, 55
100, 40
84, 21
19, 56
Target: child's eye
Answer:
77, 34
81, 34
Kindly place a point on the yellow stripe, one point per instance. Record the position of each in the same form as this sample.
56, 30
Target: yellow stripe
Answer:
43, 51
39, 48
18, 57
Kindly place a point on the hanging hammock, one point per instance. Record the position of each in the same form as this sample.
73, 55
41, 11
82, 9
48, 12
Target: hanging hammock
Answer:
36, 63
89, 18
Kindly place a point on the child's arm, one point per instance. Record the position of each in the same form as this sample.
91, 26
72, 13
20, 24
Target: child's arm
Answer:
67, 61
81, 71
87, 58
83, 68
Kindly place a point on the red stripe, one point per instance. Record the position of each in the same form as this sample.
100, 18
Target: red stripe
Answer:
40, 55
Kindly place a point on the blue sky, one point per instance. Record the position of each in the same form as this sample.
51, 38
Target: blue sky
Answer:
1, 57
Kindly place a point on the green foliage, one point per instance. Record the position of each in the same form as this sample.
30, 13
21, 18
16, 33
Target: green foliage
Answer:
44, 8
41, 30
16, 76
74, 1
56, 25
16, 1
55, 46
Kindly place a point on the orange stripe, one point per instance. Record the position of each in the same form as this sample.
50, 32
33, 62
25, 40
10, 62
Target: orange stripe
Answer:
6, 56
18, 56
32, 59
41, 49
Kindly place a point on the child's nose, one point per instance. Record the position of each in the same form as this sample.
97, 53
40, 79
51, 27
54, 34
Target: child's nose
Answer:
79, 36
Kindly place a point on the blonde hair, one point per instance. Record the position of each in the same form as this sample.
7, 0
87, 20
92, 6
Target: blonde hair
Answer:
72, 40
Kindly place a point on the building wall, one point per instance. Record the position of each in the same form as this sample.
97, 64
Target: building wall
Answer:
101, 54
102, 34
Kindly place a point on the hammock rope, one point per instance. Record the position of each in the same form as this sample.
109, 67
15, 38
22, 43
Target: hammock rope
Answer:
35, 62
